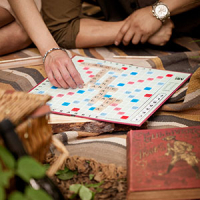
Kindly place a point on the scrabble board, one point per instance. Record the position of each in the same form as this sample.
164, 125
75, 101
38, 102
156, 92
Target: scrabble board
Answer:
113, 92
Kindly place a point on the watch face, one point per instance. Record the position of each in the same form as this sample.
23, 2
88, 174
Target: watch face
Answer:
161, 11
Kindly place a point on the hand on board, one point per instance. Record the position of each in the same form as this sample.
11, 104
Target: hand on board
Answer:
61, 71
138, 27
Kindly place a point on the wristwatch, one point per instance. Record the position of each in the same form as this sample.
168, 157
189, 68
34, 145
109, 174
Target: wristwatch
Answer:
161, 11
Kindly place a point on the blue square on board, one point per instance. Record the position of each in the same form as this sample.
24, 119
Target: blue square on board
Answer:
90, 90
134, 73
134, 100
134, 107
76, 102
108, 96
147, 88
54, 87
121, 84
41, 92
92, 108
81, 91
65, 104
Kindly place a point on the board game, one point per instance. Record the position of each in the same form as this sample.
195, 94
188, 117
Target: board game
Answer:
113, 92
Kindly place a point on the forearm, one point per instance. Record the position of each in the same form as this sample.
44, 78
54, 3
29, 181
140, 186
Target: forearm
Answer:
179, 6
29, 16
94, 33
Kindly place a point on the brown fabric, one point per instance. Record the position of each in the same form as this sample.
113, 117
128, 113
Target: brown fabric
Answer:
63, 20
183, 108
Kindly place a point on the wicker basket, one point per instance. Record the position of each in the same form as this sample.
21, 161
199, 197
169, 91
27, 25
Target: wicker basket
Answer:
30, 114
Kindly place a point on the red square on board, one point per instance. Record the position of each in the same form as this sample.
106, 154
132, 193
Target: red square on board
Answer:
60, 95
124, 117
169, 75
130, 82
86, 68
140, 81
76, 109
70, 93
147, 95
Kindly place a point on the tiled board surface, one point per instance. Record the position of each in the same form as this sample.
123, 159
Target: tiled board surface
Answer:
113, 92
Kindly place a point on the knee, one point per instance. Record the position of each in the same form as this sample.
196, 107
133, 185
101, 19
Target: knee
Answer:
22, 36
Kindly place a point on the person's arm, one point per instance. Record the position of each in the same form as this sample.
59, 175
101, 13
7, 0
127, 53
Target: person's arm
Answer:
59, 67
95, 33
141, 24
180, 6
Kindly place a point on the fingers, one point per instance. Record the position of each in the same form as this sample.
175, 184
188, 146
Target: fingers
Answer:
53, 79
75, 79
66, 77
121, 34
61, 72
136, 39
128, 34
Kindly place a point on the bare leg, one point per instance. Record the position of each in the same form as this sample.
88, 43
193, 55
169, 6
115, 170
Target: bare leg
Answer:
12, 36
94, 33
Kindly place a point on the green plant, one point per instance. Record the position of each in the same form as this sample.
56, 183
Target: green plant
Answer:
65, 174
26, 168
84, 192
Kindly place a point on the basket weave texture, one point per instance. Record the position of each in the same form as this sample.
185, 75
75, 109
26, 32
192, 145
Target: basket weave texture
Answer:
30, 114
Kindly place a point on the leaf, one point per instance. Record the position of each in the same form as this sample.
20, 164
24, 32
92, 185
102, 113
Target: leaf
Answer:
46, 166
7, 158
36, 194
5, 178
62, 171
85, 193
2, 193
73, 196
91, 176
75, 188
99, 190
94, 185
17, 196
68, 175
28, 168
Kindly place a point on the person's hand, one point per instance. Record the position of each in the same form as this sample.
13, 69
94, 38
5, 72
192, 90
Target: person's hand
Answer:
61, 71
138, 27
163, 35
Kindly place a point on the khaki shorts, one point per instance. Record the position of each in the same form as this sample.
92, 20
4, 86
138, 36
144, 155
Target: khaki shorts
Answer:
62, 17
